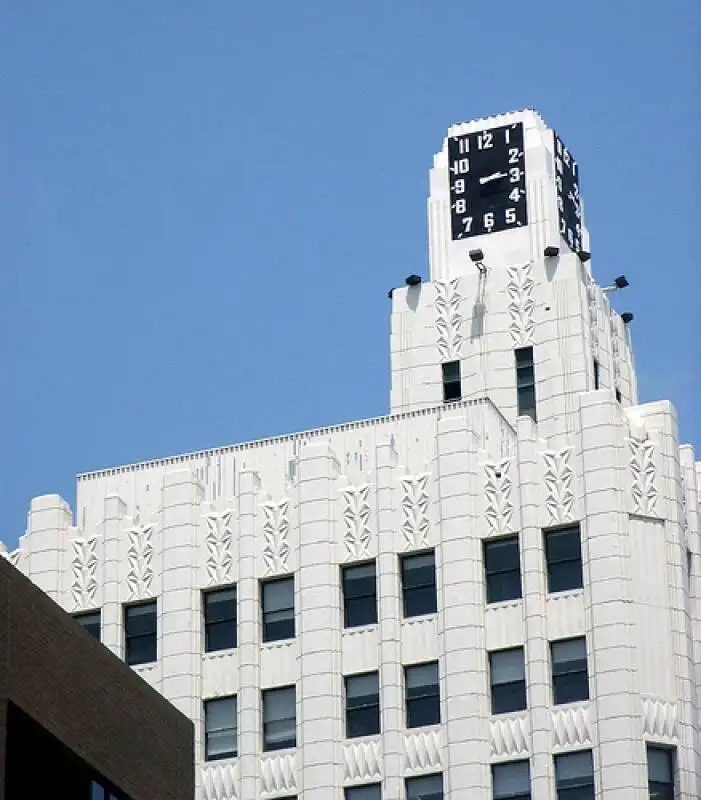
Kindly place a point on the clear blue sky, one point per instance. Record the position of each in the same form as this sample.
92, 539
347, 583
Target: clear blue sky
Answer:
203, 204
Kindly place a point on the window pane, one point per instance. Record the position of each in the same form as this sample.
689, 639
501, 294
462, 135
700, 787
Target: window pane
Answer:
419, 570
359, 580
418, 601
511, 780
141, 650
508, 697
569, 650
360, 611
573, 769
220, 636
563, 545
507, 666
422, 675
427, 787
362, 686
278, 595
279, 703
90, 621
504, 586
524, 356
140, 619
502, 555
279, 735
371, 792
220, 713
659, 765
220, 605
451, 371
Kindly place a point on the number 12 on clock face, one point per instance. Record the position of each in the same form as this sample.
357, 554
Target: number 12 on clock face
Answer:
487, 176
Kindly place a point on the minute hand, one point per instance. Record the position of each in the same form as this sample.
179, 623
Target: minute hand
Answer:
493, 177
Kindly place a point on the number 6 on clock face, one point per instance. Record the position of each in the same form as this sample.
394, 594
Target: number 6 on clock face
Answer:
488, 186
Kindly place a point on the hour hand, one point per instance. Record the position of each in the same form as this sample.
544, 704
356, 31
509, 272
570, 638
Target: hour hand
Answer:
493, 177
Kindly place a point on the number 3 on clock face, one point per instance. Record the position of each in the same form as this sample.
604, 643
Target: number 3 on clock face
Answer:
487, 177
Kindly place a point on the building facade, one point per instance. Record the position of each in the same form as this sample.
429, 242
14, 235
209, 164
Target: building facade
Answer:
62, 732
489, 593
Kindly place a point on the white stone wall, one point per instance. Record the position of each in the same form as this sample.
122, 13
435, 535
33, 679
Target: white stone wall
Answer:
445, 478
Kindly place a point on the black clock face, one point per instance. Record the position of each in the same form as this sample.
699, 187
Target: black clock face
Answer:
568, 201
487, 171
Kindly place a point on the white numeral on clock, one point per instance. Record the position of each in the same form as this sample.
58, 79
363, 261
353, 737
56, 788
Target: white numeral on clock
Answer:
510, 216
488, 220
484, 140
514, 174
460, 166
467, 223
460, 206
514, 155
463, 146
515, 195
459, 186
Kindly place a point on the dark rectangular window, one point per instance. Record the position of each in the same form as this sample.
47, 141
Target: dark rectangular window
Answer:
219, 619
220, 728
362, 705
563, 553
425, 787
359, 594
422, 695
619, 396
371, 791
279, 718
278, 598
597, 375
511, 781
502, 567
452, 388
570, 675
141, 632
574, 776
507, 674
419, 584
91, 621
660, 773
525, 383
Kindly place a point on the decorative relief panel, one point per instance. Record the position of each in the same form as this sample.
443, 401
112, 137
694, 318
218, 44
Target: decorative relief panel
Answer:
559, 485
219, 540
140, 560
571, 726
278, 773
276, 532
615, 349
521, 304
643, 471
499, 509
362, 760
659, 718
508, 736
422, 751
415, 522
356, 518
220, 781
83, 570
593, 305
448, 320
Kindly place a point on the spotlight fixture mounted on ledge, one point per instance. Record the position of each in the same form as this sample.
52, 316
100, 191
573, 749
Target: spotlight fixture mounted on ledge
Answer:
551, 251
412, 280
477, 257
627, 317
620, 283
584, 256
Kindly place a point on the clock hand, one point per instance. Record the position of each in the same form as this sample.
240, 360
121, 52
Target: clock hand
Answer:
493, 177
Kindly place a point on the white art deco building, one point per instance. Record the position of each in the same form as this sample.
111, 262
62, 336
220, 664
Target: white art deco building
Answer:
493, 592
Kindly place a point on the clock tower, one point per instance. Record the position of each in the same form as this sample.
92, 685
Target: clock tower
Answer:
511, 310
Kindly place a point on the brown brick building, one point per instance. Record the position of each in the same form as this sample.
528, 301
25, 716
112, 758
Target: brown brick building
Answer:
73, 717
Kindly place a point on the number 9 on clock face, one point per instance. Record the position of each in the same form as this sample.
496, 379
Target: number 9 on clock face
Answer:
487, 177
